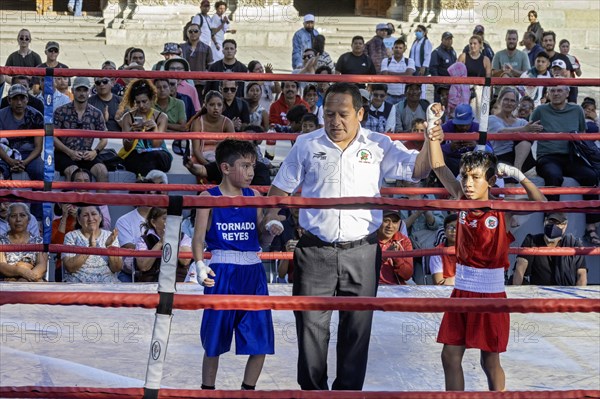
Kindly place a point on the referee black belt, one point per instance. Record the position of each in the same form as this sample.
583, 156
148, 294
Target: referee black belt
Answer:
370, 239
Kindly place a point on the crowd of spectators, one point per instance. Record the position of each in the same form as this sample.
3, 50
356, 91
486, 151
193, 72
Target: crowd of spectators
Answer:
177, 105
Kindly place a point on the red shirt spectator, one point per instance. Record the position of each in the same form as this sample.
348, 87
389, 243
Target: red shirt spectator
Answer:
394, 271
287, 100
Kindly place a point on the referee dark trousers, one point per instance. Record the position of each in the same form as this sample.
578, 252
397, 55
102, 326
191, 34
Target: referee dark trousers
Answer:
334, 269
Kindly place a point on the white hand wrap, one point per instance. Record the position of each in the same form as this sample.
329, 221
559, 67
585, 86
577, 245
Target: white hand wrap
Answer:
273, 223
431, 117
505, 170
197, 273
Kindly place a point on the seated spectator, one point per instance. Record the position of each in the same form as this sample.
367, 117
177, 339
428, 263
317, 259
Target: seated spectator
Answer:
33, 227
310, 123
140, 156
443, 93
23, 265
62, 85
117, 88
516, 153
323, 57
259, 116
269, 89
172, 107
417, 126
130, 224
178, 64
409, 108
458, 94
394, 271
262, 173
76, 152
551, 270
322, 86
309, 64
107, 102
294, 117
539, 70
443, 267
58, 99
311, 96
279, 109
526, 106
148, 269
591, 116
190, 111
381, 115
89, 233
32, 101
170, 50
235, 108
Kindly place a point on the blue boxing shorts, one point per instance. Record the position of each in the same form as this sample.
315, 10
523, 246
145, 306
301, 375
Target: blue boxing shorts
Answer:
253, 329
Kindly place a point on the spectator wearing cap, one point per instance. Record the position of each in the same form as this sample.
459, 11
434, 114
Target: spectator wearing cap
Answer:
381, 115
21, 154
532, 48
394, 271
24, 56
554, 157
410, 108
510, 62
356, 62
397, 65
551, 270
52, 51
178, 64
303, 39
198, 55
486, 49
32, 101
375, 48
117, 88
72, 153
390, 39
559, 69
549, 43
170, 50
441, 58
229, 63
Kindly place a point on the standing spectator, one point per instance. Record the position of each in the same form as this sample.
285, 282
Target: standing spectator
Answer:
591, 116
551, 270
397, 65
534, 26
117, 88
410, 108
107, 103
72, 153
234, 107
375, 48
340, 243
441, 58
259, 116
420, 52
324, 59
549, 43
309, 66
390, 39
33, 227
322, 86
381, 115
356, 62
52, 51
443, 267
290, 97
219, 25
510, 62
565, 47
140, 156
198, 55
269, 89
311, 97
484, 47
554, 157
394, 271
24, 56
22, 265
172, 107
526, 106
202, 20
177, 64
228, 64
75, 7
187, 100
478, 65
532, 49
170, 50
137, 56
89, 233
32, 101
303, 39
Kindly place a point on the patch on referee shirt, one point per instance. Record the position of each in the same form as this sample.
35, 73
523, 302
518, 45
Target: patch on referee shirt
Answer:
491, 222
364, 156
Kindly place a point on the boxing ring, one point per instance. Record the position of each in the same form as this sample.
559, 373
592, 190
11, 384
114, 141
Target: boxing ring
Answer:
98, 341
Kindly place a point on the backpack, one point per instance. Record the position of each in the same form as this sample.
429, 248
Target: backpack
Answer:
588, 152
390, 60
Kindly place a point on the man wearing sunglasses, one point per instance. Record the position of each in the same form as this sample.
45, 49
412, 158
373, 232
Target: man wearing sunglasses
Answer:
107, 102
52, 51
235, 108
24, 56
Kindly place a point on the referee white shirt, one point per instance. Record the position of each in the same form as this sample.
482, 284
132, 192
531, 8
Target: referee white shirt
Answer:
397, 89
323, 170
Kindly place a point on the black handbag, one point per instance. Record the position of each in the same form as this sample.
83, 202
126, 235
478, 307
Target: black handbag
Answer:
589, 153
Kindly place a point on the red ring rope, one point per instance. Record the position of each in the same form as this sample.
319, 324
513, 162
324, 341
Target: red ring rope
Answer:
166, 393
257, 302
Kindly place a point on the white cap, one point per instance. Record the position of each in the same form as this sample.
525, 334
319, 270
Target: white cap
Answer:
309, 18
559, 63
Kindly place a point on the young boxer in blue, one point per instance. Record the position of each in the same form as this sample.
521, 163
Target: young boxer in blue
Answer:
234, 237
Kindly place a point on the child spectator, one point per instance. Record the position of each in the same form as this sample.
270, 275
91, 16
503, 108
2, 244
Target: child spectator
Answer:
310, 122
482, 257
591, 117
232, 235
540, 70
443, 267
458, 94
